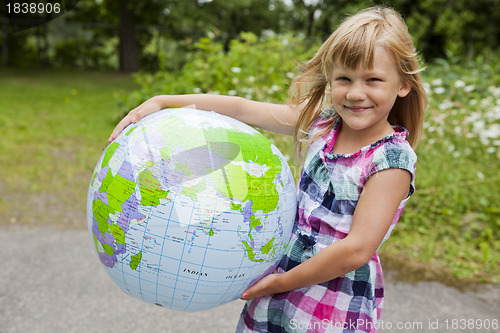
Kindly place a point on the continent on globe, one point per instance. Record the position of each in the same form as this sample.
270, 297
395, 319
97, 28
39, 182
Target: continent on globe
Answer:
188, 208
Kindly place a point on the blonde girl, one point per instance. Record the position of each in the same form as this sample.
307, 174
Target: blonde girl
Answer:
356, 110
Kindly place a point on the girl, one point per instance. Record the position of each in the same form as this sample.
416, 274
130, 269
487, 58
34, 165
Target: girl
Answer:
350, 109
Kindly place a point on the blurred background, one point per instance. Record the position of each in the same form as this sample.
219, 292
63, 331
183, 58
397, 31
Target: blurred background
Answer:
66, 79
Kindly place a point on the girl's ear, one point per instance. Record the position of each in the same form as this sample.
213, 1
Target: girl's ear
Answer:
404, 89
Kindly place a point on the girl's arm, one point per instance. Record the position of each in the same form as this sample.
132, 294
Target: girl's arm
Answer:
372, 218
279, 118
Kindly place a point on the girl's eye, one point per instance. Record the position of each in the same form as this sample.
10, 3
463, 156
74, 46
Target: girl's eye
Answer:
343, 78
374, 79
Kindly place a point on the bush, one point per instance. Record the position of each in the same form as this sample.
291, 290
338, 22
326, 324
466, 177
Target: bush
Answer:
251, 68
453, 221
81, 53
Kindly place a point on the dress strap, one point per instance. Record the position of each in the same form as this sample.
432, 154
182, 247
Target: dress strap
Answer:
327, 112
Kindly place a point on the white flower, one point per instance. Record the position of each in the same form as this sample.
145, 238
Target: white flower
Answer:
439, 90
236, 69
447, 104
493, 114
251, 79
479, 125
232, 92
480, 175
472, 102
486, 102
268, 33
459, 84
492, 132
437, 82
427, 88
484, 141
439, 119
494, 90
490, 150
197, 90
470, 88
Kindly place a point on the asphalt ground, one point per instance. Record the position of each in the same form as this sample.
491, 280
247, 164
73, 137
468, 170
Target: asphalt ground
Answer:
51, 281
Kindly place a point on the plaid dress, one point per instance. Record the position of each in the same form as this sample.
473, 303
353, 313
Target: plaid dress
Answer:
328, 191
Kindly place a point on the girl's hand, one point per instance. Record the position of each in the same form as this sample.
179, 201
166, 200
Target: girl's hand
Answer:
268, 285
150, 106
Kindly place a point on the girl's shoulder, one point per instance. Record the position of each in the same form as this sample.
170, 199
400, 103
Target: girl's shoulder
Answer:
393, 152
394, 149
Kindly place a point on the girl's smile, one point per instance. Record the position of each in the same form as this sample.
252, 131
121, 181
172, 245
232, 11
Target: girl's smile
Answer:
355, 108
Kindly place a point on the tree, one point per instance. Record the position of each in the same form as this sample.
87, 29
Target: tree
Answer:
129, 60
191, 19
155, 34
132, 20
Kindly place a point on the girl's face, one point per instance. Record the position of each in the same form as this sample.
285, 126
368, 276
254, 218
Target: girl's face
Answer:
364, 97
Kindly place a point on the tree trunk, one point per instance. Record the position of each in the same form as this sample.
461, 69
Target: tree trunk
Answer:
129, 60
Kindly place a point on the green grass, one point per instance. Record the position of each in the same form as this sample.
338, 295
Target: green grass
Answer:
53, 126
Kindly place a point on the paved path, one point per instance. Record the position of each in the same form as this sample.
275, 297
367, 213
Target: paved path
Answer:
51, 281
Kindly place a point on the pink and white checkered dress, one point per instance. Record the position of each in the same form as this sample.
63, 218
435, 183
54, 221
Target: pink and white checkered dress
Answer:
329, 189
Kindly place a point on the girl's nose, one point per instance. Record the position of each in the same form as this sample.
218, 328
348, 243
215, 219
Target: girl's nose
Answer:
356, 92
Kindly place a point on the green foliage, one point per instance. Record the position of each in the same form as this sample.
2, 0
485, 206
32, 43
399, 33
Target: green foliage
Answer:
252, 68
462, 26
452, 222
82, 53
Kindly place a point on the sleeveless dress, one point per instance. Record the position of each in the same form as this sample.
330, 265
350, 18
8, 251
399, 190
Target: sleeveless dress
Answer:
328, 191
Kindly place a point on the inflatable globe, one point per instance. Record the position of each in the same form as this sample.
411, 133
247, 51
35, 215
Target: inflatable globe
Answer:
188, 208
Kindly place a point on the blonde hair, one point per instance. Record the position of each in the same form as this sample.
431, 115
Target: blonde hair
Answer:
352, 44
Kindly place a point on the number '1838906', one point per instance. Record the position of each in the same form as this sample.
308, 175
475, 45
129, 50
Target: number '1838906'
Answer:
33, 8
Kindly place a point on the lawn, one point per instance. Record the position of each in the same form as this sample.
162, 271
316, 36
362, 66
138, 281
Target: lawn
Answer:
53, 126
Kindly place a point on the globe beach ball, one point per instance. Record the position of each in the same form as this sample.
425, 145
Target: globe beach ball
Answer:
186, 208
